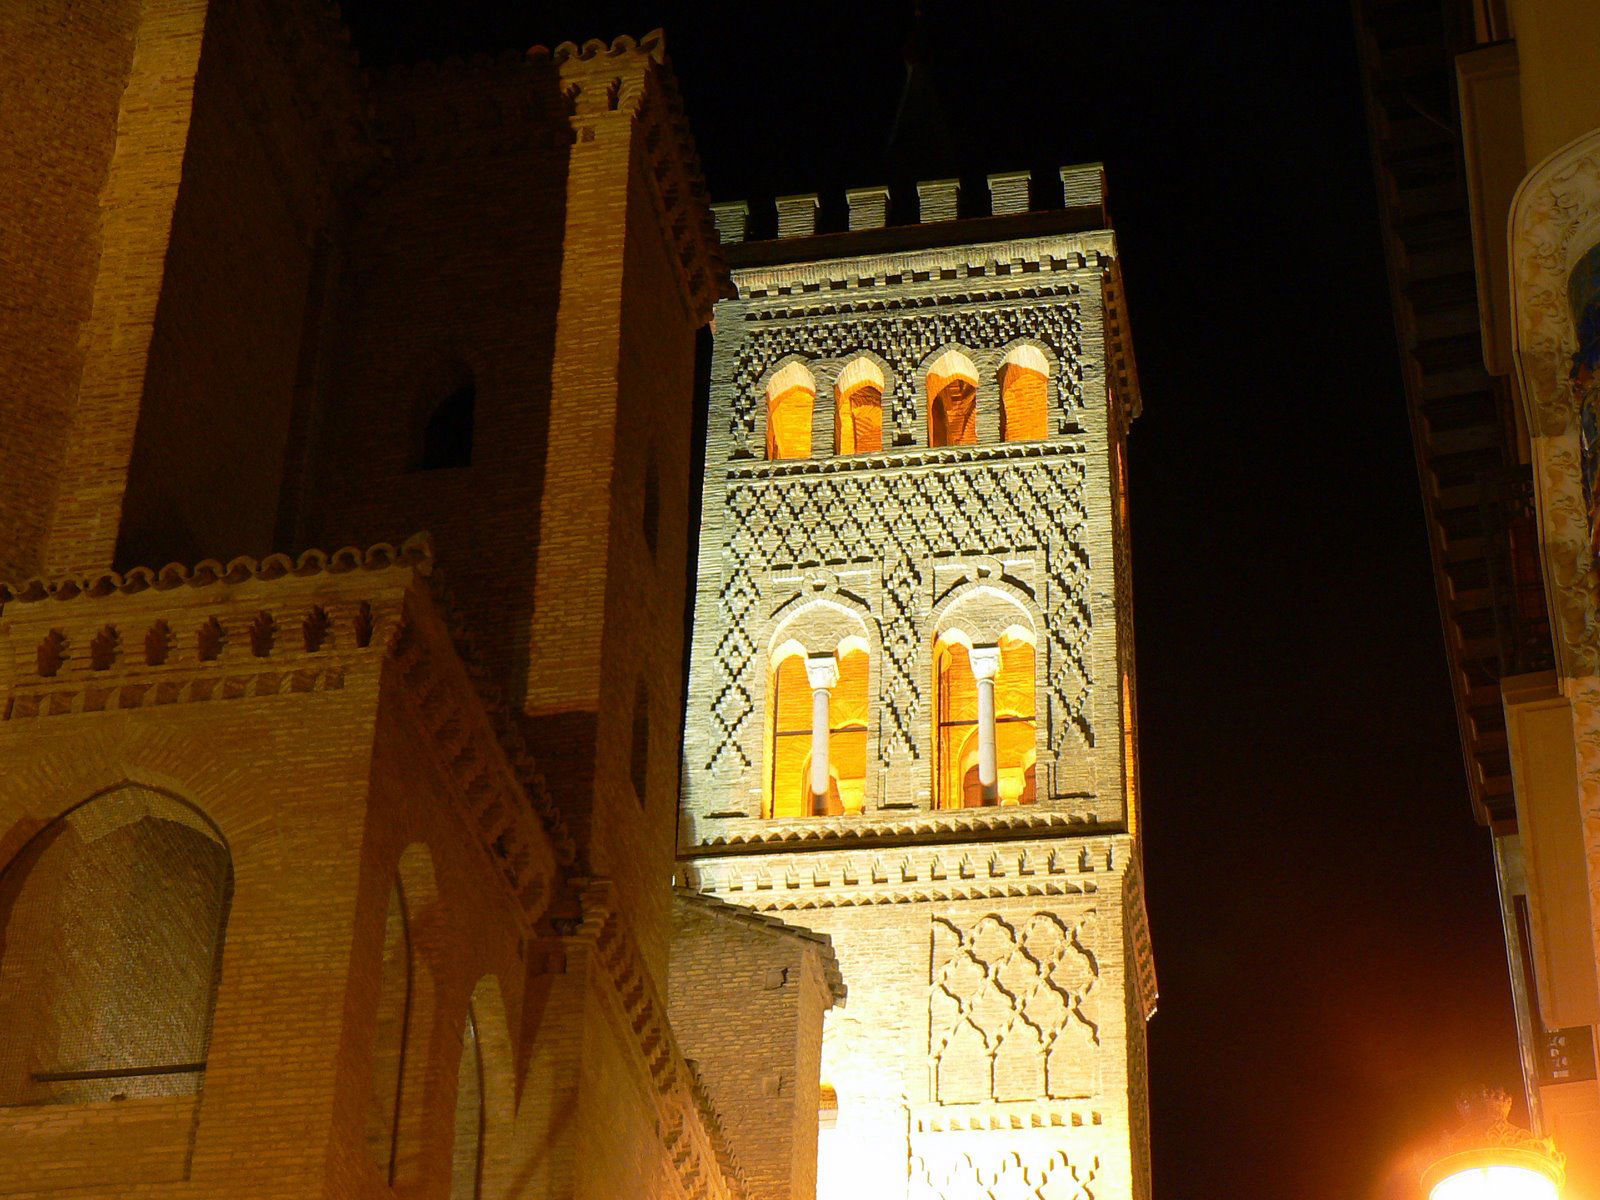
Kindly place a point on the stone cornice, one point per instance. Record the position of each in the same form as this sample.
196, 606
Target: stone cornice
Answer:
726, 831
280, 626
840, 878
1009, 267
690, 1129
962, 458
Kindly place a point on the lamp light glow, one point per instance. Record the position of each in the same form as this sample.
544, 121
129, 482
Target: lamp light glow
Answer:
1495, 1182
1488, 1158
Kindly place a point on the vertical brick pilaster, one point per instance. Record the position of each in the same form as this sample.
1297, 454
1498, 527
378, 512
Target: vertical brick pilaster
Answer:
137, 203
575, 513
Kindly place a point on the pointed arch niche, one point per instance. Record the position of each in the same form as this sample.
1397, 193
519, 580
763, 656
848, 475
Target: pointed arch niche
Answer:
791, 395
112, 921
858, 408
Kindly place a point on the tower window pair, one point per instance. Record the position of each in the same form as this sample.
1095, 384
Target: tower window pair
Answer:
1024, 380
984, 727
858, 410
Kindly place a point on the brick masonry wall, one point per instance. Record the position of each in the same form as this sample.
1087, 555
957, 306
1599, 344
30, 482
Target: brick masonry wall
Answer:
55, 151
990, 1044
939, 1079
323, 797
747, 1005
452, 265
213, 421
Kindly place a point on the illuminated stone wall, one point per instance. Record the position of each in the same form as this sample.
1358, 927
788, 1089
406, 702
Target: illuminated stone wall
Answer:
995, 955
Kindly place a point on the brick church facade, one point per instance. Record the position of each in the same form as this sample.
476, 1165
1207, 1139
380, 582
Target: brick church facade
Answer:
343, 859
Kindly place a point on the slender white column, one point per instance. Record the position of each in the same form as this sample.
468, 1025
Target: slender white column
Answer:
985, 664
822, 673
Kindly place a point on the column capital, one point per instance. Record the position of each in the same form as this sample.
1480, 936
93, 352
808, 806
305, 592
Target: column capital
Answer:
822, 671
985, 661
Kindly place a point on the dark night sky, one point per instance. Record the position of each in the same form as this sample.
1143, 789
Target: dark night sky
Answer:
1323, 906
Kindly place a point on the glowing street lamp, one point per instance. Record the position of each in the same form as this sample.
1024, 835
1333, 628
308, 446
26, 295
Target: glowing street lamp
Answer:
1489, 1158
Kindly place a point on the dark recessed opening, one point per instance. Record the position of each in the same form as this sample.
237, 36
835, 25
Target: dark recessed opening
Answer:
447, 437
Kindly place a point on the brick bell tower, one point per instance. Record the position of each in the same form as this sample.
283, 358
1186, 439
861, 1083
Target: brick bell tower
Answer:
911, 714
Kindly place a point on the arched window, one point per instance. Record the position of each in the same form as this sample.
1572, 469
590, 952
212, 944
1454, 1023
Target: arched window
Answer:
466, 1159
794, 714
111, 929
393, 1017
446, 439
790, 397
958, 776
858, 409
952, 401
1025, 395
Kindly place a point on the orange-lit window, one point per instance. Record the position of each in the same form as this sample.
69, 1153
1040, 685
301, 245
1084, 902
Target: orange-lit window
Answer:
790, 397
847, 735
1024, 396
953, 401
956, 717
858, 409
788, 782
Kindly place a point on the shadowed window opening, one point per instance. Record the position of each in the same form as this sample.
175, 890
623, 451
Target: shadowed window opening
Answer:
447, 435
1025, 396
157, 644
209, 640
790, 398
103, 649
953, 401
52, 653
858, 409
111, 929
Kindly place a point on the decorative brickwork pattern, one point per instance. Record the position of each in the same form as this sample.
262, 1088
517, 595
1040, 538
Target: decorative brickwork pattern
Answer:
991, 1046
901, 519
1056, 1178
905, 342
1008, 1009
